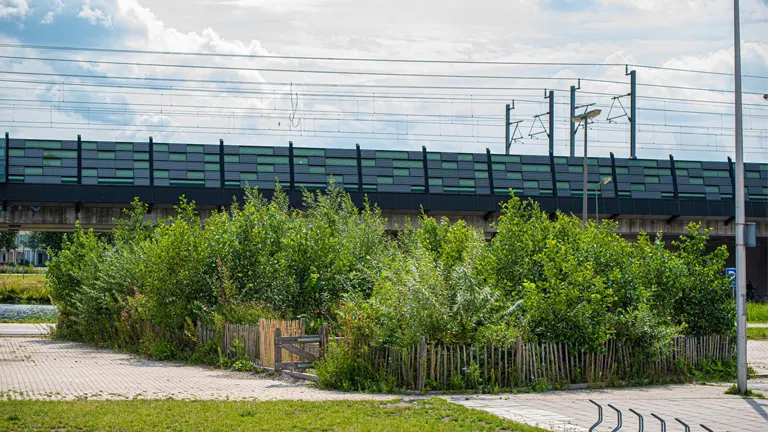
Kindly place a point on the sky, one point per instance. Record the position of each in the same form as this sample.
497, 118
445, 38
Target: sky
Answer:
382, 104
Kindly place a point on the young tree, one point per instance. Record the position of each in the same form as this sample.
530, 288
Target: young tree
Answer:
44, 241
8, 240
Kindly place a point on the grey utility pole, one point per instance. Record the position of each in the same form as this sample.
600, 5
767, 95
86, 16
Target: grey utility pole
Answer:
573, 125
584, 196
507, 143
551, 122
741, 264
633, 115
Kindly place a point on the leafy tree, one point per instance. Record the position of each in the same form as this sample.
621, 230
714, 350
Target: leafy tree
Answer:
45, 241
8, 240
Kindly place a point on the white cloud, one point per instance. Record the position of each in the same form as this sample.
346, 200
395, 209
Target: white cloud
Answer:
47, 18
95, 16
697, 35
13, 8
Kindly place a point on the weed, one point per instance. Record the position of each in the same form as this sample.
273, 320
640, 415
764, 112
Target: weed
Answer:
734, 390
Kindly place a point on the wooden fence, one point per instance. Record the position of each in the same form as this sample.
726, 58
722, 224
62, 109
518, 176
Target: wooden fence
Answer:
522, 364
267, 332
257, 340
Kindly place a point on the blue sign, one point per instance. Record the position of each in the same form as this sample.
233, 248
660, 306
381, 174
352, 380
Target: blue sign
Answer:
731, 273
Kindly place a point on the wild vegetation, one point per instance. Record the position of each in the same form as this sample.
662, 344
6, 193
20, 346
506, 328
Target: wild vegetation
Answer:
30, 288
540, 278
757, 312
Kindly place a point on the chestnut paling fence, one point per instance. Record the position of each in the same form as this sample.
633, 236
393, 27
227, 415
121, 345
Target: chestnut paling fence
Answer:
446, 366
524, 364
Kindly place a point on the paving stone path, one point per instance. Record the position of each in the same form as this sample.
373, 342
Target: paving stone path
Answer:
572, 411
39, 368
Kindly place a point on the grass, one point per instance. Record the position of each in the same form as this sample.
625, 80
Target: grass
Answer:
28, 289
757, 312
757, 333
734, 390
162, 415
13, 268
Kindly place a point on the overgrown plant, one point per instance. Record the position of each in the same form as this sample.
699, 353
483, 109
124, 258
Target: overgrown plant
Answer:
542, 278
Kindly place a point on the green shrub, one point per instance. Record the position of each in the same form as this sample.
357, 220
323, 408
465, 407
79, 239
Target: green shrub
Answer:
343, 369
543, 277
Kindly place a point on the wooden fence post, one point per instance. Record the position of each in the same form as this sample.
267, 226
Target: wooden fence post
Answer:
519, 359
323, 339
278, 350
421, 366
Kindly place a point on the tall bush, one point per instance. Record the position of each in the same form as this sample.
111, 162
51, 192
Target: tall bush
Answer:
542, 277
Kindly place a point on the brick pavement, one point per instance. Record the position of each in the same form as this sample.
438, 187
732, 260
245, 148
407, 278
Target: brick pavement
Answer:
572, 411
21, 329
694, 404
38, 368
757, 353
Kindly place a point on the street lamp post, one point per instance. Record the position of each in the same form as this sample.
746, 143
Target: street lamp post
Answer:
741, 264
599, 185
584, 118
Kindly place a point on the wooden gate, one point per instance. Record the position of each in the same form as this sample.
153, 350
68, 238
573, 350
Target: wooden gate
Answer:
266, 338
307, 348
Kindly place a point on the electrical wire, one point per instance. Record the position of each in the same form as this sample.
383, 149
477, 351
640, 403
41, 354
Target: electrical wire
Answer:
362, 73
361, 59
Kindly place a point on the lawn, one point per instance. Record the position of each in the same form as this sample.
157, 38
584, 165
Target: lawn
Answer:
30, 288
756, 333
757, 312
161, 415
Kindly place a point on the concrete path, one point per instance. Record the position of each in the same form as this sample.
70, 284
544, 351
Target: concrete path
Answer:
572, 411
16, 329
39, 368
694, 404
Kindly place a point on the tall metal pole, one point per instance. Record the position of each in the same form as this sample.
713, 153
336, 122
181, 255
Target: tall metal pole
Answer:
633, 115
506, 127
573, 125
584, 202
552, 121
597, 203
741, 264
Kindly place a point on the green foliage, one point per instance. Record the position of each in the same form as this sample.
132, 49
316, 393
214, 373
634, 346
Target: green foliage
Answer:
343, 369
45, 241
734, 390
709, 370
541, 278
757, 333
8, 240
206, 353
757, 312
28, 289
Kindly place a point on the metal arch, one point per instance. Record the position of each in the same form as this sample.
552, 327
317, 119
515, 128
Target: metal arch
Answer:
663, 423
618, 420
706, 428
599, 416
687, 428
639, 419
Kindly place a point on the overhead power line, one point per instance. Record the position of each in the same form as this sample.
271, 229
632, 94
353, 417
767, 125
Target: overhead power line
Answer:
363, 59
245, 91
362, 73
